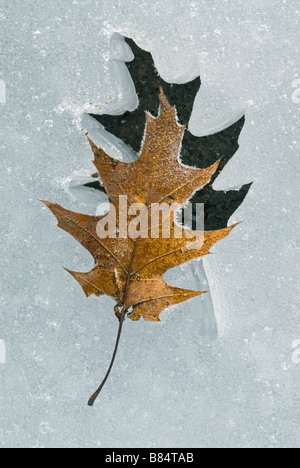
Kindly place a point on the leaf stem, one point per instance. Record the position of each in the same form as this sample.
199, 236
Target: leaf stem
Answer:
96, 394
121, 318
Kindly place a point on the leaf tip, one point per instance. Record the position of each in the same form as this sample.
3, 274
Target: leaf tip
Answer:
235, 225
217, 164
44, 201
193, 294
164, 100
92, 144
50, 205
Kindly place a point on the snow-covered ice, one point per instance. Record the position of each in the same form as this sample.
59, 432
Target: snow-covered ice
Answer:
174, 384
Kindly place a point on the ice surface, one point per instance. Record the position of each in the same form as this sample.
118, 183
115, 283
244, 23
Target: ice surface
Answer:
173, 383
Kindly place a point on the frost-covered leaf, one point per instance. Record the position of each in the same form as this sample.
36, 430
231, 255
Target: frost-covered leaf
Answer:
130, 269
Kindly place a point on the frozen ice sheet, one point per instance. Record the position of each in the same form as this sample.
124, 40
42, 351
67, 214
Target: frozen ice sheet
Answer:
171, 385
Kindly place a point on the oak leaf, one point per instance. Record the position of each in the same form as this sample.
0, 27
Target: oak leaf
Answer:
130, 270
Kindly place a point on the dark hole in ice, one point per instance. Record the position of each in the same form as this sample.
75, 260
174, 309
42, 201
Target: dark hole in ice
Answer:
196, 151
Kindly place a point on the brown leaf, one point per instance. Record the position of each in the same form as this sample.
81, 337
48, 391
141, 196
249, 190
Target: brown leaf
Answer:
131, 270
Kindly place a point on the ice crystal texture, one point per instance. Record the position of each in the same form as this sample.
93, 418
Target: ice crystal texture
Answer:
220, 371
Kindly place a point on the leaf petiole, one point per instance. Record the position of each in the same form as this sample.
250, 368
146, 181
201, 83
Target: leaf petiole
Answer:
96, 394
